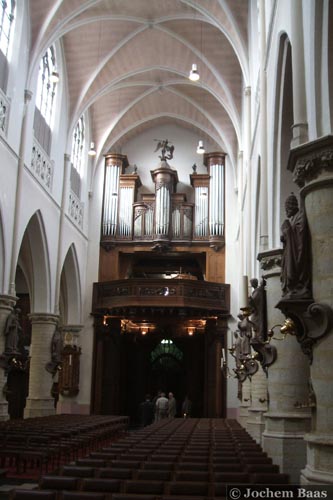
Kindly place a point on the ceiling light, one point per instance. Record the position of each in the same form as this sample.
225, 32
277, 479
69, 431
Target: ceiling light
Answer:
194, 74
200, 148
92, 150
54, 77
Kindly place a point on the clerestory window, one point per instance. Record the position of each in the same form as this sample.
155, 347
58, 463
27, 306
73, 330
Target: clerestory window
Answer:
7, 11
45, 98
77, 156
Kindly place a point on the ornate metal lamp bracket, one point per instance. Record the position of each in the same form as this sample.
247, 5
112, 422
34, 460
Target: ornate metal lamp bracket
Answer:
313, 321
267, 353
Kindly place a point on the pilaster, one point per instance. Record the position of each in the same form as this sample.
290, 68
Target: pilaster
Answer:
255, 423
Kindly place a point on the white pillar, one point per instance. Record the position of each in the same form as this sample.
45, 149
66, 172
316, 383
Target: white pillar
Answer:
263, 131
18, 193
40, 401
300, 126
64, 202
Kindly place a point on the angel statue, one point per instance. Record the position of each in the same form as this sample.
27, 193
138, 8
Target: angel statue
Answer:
167, 149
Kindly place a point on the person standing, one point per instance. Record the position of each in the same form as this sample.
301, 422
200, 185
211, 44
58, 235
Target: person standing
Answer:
161, 407
146, 411
172, 406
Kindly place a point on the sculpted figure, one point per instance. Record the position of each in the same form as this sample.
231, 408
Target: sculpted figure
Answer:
296, 257
12, 332
257, 302
167, 149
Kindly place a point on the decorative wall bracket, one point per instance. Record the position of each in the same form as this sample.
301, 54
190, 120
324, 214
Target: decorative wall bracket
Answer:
313, 321
267, 353
246, 369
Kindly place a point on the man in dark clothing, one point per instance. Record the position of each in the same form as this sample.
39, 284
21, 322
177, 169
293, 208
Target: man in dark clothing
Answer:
146, 411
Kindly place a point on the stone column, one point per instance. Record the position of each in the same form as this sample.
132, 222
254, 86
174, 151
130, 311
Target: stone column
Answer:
288, 378
40, 401
69, 404
263, 130
300, 126
245, 403
312, 167
255, 423
7, 302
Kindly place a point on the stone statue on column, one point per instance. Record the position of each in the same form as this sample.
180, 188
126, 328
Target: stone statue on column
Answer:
296, 257
257, 303
12, 332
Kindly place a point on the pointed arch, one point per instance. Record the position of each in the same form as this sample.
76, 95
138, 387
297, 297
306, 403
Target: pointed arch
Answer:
283, 121
34, 262
70, 289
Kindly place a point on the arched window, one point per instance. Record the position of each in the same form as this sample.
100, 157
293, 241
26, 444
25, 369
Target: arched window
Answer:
45, 98
77, 146
47, 83
7, 11
77, 156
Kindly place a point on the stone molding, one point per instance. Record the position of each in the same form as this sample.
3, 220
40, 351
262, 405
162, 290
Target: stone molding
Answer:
308, 161
8, 301
43, 318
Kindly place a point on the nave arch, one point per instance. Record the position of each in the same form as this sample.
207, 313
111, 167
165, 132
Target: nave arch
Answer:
70, 303
34, 262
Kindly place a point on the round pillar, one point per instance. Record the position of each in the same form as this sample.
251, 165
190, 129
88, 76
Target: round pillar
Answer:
288, 383
255, 423
7, 302
40, 401
312, 166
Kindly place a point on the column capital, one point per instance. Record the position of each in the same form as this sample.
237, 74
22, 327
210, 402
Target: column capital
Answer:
311, 160
67, 157
247, 91
7, 301
51, 319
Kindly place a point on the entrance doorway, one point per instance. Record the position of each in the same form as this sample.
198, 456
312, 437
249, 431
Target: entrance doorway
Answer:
129, 366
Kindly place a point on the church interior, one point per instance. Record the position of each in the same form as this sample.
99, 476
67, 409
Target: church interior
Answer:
166, 226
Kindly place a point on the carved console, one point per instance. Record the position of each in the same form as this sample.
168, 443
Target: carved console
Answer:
311, 321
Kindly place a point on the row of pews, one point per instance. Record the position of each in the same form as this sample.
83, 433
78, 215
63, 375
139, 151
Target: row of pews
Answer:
46, 442
178, 459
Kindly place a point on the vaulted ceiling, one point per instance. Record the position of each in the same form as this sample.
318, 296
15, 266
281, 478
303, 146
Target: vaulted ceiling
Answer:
128, 61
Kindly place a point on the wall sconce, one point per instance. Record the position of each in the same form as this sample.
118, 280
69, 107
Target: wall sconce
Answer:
144, 330
190, 330
287, 327
92, 150
194, 74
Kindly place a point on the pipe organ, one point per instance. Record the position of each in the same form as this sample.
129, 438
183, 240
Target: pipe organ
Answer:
165, 216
